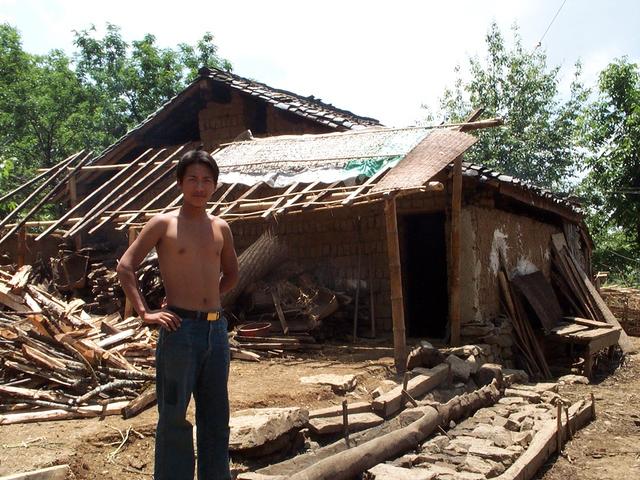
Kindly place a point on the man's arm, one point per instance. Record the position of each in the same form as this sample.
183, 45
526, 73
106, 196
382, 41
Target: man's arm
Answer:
146, 240
228, 260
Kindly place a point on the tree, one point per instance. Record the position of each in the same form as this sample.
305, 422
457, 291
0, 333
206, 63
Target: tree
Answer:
127, 83
538, 141
43, 108
53, 105
612, 184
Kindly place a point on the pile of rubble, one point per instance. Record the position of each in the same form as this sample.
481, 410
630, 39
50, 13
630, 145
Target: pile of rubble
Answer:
624, 302
450, 418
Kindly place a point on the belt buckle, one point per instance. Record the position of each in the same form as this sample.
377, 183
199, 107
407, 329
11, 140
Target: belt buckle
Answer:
213, 316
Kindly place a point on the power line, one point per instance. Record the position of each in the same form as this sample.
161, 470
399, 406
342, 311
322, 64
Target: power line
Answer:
550, 23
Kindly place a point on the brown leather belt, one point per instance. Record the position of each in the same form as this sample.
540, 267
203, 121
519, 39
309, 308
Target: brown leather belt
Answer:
195, 314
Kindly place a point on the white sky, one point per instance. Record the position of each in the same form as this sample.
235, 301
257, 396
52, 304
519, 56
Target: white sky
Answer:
375, 58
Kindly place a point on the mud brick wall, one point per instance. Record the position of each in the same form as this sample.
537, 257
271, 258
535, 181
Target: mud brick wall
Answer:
485, 234
326, 243
222, 120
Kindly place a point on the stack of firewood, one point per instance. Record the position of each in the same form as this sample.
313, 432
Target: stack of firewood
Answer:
254, 348
58, 362
106, 293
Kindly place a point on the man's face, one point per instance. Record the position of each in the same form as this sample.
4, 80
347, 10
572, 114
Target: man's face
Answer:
197, 185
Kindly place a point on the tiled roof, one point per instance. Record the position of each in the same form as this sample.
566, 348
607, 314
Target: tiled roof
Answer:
308, 107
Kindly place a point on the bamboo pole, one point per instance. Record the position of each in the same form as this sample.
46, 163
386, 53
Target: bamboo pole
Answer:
128, 306
269, 211
395, 274
45, 172
242, 197
222, 198
44, 199
371, 181
73, 201
108, 200
93, 194
45, 184
134, 217
22, 246
297, 197
456, 207
141, 192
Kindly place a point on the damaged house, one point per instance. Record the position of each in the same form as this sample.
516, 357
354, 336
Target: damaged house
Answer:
393, 216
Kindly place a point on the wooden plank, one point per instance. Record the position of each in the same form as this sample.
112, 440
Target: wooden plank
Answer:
588, 323
392, 401
58, 472
335, 410
612, 337
625, 343
395, 277
356, 422
270, 211
568, 328
276, 302
454, 283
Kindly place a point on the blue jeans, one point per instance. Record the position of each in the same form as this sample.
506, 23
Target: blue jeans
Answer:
193, 359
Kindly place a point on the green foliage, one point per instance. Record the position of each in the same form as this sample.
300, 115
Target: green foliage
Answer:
538, 141
54, 105
611, 188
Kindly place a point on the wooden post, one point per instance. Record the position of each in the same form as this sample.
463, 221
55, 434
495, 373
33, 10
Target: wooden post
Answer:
454, 294
128, 307
395, 275
73, 201
22, 246
559, 427
345, 421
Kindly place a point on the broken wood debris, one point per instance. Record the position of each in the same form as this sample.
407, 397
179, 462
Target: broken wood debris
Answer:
59, 362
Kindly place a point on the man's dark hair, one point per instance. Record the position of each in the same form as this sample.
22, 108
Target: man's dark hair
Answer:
197, 156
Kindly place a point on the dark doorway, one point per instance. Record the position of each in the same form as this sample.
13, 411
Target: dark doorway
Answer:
424, 275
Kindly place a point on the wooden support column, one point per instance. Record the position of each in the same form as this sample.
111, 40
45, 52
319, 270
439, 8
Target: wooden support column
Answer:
73, 201
128, 307
454, 294
395, 275
22, 246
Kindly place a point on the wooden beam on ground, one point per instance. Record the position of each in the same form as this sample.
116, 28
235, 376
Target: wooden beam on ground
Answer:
454, 294
59, 472
395, 274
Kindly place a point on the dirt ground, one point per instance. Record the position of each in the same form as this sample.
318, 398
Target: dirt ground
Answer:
608, 448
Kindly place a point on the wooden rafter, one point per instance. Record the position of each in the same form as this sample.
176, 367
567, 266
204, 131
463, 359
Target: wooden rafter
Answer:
224, 195
244, 196
158, 179
318, 196
371, 181
269, 211
135, 216
104, 203
89, 197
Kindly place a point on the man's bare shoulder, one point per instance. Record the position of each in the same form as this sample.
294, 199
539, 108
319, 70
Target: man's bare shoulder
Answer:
219, 222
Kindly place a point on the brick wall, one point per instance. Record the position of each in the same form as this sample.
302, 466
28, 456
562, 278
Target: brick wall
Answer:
221, 122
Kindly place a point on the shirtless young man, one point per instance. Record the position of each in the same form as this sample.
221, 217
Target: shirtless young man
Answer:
197, 263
